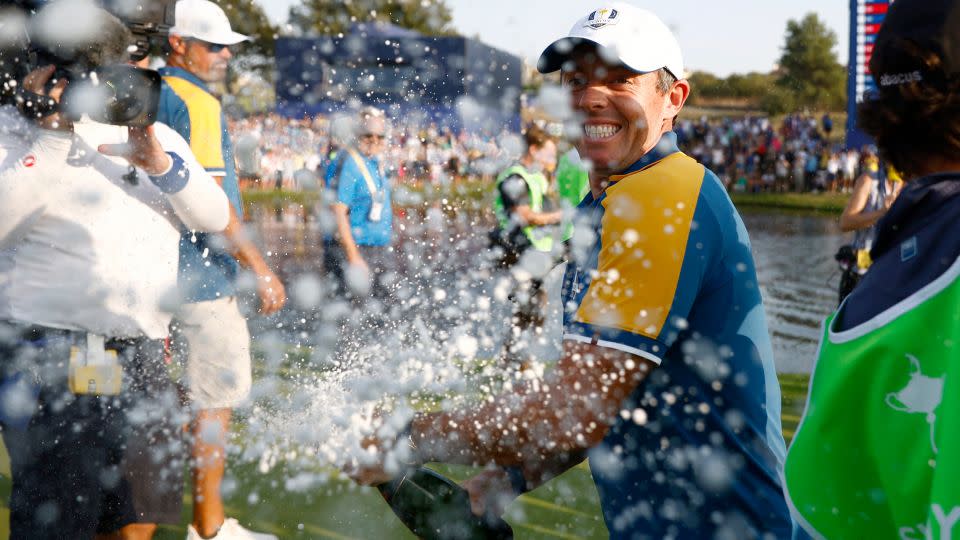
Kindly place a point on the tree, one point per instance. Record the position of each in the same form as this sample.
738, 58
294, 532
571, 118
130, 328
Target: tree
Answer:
705, 85
749, 88
331, 17
778, 100
809, 67
254, 59
247, 17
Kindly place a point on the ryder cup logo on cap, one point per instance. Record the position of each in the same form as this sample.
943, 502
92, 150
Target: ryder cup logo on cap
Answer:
601, 18
634, 37
206, 21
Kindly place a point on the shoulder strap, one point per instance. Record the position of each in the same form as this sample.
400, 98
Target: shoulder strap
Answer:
363, 170
513, 170
337, 164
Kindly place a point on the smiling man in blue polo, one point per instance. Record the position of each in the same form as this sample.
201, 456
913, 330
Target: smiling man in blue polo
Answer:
667, 381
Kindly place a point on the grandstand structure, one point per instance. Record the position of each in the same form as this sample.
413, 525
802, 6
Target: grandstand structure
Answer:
452, 81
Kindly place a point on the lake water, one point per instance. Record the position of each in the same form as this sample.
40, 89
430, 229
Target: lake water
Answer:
798, 277
440, 249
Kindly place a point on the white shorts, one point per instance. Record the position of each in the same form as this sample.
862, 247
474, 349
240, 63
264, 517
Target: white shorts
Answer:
215, 341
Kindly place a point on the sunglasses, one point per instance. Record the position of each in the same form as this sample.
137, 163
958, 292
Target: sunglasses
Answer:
214, 48
373, 136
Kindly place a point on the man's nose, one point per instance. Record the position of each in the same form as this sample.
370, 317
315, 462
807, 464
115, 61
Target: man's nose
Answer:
592, 97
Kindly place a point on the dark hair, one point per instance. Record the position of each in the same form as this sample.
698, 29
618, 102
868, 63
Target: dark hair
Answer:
665, 80
536, 136
915, 120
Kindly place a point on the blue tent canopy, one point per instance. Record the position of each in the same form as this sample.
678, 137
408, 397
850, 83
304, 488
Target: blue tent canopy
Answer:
452, 81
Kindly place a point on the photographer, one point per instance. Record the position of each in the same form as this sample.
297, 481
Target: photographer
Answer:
210, 331
524, 240
90, 221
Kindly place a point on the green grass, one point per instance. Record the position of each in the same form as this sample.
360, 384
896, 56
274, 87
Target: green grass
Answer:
794, 389
253, 197
831, 203
567, 507
476, 195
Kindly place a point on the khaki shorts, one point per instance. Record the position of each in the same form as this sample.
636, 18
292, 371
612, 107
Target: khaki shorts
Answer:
213, 340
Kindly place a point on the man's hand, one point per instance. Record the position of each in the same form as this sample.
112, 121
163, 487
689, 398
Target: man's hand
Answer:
358, 264
357, 275
372, 472
142, 150
36, 82
490, 491
368, 475
271, 292
892, 197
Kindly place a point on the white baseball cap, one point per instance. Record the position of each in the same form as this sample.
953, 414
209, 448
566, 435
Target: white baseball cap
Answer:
204, 20
635, 37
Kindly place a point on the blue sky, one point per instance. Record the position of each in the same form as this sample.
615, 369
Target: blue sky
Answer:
734, 36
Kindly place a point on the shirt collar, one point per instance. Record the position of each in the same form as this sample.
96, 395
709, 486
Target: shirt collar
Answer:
181, 73
666, 146
919, 200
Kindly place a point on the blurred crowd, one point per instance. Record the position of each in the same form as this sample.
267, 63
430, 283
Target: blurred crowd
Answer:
801, 153
277, 152
754, 154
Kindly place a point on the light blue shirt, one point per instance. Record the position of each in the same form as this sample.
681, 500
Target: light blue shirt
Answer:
345, 178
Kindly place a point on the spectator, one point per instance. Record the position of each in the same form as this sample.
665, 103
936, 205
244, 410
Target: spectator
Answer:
876, 453
573, 180
873, 195
359, 248
526, 231
212, 332
833, 172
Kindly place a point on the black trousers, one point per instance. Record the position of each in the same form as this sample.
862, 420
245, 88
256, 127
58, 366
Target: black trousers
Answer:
367, 320
377, 259
87, 464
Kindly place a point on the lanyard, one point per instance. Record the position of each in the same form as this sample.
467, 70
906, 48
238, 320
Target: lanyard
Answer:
364, 171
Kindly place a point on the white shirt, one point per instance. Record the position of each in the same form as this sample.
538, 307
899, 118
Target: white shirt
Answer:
80, 247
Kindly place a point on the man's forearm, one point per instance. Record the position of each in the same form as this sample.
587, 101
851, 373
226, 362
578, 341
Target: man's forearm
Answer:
497, 434
349, 245
568, 411
242, 248
862, 220
549, 218
538, 219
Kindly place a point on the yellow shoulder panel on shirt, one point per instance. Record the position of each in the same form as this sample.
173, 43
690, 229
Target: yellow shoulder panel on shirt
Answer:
644, 231
206, 137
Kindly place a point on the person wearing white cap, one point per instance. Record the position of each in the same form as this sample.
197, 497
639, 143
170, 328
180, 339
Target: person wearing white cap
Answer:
210, 331
666, 381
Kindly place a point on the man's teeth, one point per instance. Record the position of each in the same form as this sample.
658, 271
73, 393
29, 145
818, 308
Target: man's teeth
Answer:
600, 131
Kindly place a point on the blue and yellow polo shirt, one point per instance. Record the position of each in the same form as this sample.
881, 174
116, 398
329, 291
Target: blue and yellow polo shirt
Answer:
667, 275
207, 270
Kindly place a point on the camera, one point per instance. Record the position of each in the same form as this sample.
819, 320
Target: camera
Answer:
90, 43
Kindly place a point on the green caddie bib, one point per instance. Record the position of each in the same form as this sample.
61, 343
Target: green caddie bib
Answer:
877, 454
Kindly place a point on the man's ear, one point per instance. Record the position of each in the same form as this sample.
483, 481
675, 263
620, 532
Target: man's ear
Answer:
676, 98
178, 45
